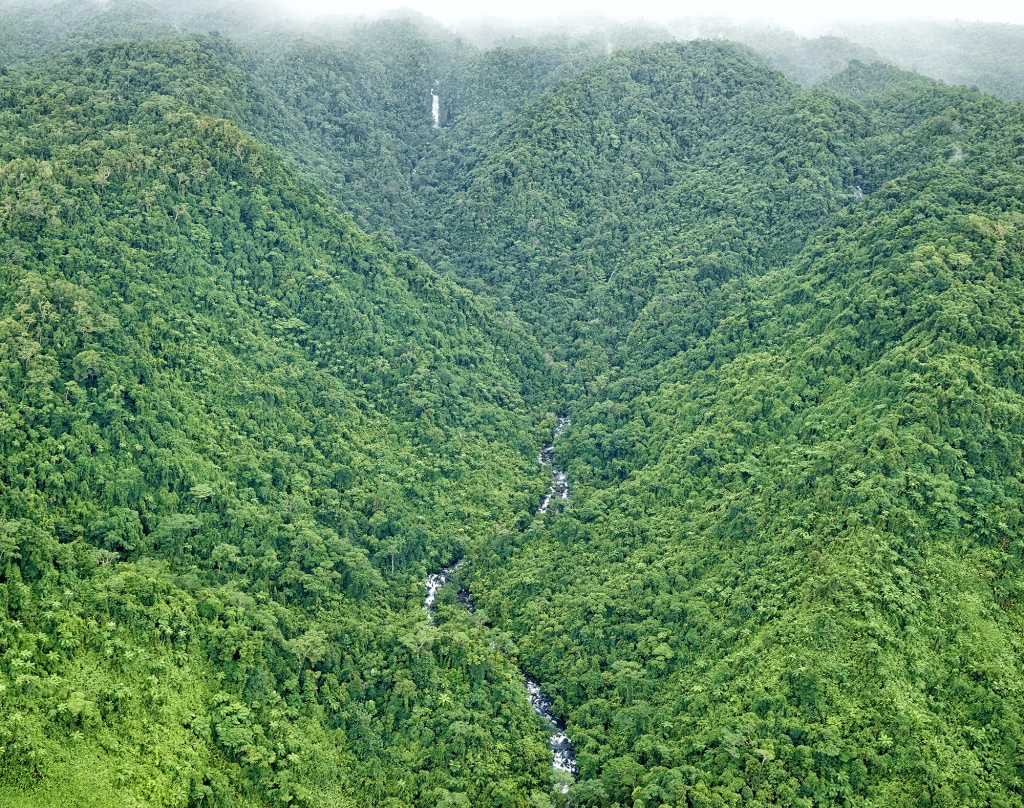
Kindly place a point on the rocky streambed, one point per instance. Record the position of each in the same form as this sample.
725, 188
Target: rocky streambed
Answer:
562, 751
559, 480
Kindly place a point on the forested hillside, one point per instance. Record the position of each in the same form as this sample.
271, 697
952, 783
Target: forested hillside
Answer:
235, 433
790, 574
274, 347
983, 55
661, 172
360, 105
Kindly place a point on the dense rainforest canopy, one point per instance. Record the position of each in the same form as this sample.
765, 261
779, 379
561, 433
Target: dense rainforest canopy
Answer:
274, 346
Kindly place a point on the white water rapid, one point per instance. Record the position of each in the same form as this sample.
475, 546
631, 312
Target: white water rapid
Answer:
561, 747
559, 482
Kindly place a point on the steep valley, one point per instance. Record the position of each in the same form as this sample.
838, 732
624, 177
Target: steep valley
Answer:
290, 315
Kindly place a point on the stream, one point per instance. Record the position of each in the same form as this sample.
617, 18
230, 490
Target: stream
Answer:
559, 482
562, 751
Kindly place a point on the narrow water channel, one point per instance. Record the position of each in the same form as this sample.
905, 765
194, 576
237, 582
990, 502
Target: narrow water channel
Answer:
562, 751
559, 481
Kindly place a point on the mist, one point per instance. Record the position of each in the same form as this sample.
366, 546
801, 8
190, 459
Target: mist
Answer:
803, 17
808, 42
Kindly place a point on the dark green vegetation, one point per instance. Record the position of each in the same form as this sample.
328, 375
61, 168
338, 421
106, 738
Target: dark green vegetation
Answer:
805, 60
237, 431
791, 572
662, 164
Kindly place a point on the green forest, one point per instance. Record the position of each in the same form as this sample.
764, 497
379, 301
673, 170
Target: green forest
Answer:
686, 361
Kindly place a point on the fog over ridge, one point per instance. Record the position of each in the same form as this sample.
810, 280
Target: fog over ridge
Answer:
799, 15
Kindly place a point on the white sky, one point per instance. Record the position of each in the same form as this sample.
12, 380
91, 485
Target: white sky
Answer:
802, 15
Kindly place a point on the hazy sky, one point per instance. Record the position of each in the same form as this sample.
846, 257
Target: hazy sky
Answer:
800, 14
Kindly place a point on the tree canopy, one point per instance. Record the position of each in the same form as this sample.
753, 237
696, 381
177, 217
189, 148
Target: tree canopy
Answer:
273, 347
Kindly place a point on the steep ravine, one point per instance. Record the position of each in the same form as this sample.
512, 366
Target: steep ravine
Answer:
562, 750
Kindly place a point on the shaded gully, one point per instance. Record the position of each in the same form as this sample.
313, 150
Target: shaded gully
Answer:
563, 753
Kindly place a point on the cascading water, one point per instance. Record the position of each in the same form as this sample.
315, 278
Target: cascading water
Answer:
562, 751
435, 581
561, 747
559, 482
435, 109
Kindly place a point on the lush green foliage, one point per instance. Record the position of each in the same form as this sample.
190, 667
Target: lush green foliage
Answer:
806, 590
236, 431
360, 107
658, 171
365, 102
807, 61
27, 32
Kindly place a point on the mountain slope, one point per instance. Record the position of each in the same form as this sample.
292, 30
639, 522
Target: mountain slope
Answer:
979, 54
802, 587
32, 29
235, 432
659, 166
